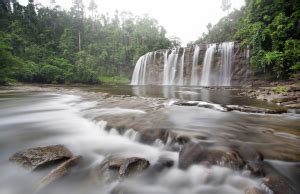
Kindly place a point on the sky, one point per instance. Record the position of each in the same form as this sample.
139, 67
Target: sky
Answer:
186, 19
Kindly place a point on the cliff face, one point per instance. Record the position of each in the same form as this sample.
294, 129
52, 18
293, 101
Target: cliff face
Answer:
185, 66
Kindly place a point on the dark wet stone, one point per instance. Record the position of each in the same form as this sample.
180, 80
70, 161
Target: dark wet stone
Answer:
278, 185
195, 154
132, 166
283, 99
112, 169
256, 168
294, 106
248, 153
182, 139
40, 157
189, 155
251, 109
59, 172
150, 135
186, 103
254, 190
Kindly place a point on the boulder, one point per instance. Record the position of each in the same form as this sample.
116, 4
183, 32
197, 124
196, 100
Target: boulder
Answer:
150, 135
283, 99
293, 106
248, 153
59, 172
254, 190
278, 185
115, 168
195, 154
251, 109
132, 166
40, 157
256, 168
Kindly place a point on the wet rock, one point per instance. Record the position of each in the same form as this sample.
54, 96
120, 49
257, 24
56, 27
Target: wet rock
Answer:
40, 157
254, 190
251, 109
132, 166
181, 139
59, 172
150, 135
294, 106
189, 155
256, 168
195, 154
112, 169
278, 185
182, 103
283, 99
160, 165
248, 153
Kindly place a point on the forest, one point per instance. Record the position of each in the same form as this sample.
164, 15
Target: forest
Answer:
271, 28
51, 45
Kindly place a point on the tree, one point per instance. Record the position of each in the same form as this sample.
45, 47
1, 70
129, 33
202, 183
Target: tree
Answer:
92, 7
226, 5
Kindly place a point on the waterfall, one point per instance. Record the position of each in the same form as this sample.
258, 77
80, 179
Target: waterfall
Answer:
223, 64
207, 63
139, 73
181, 70
170, 67
226, 61
194, 76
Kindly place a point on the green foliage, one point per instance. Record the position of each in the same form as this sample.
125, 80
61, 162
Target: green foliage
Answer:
270, 28
281, 90
114, 80
39, 44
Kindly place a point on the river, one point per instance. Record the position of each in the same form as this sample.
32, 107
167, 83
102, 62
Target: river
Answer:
97, 121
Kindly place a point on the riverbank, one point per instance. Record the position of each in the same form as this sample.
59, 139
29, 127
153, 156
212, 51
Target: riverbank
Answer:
285, 94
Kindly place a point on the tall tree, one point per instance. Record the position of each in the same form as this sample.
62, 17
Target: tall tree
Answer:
226, 5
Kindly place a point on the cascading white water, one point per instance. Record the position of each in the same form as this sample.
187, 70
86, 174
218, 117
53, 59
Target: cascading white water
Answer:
170, 67
207, 63
176, 67
194, 76
139, 73
180, 81
226, 61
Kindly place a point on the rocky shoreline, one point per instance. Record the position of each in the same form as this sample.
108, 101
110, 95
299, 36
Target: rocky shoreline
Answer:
287, 96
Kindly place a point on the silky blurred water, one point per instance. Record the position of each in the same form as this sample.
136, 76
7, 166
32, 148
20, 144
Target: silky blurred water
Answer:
33, 119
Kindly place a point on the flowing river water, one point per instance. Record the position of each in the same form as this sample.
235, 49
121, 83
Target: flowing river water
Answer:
97, 121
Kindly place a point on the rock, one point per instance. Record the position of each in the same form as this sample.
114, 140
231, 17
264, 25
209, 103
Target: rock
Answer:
189, 155
283, 99
254, 190
251, 109
248, 153
294, 89
150, 135
278, 185
112, 169
40, 157
60, 171
181, 139
256, 168
182, 103
294, 106
159, 166
195, 154
132, 166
